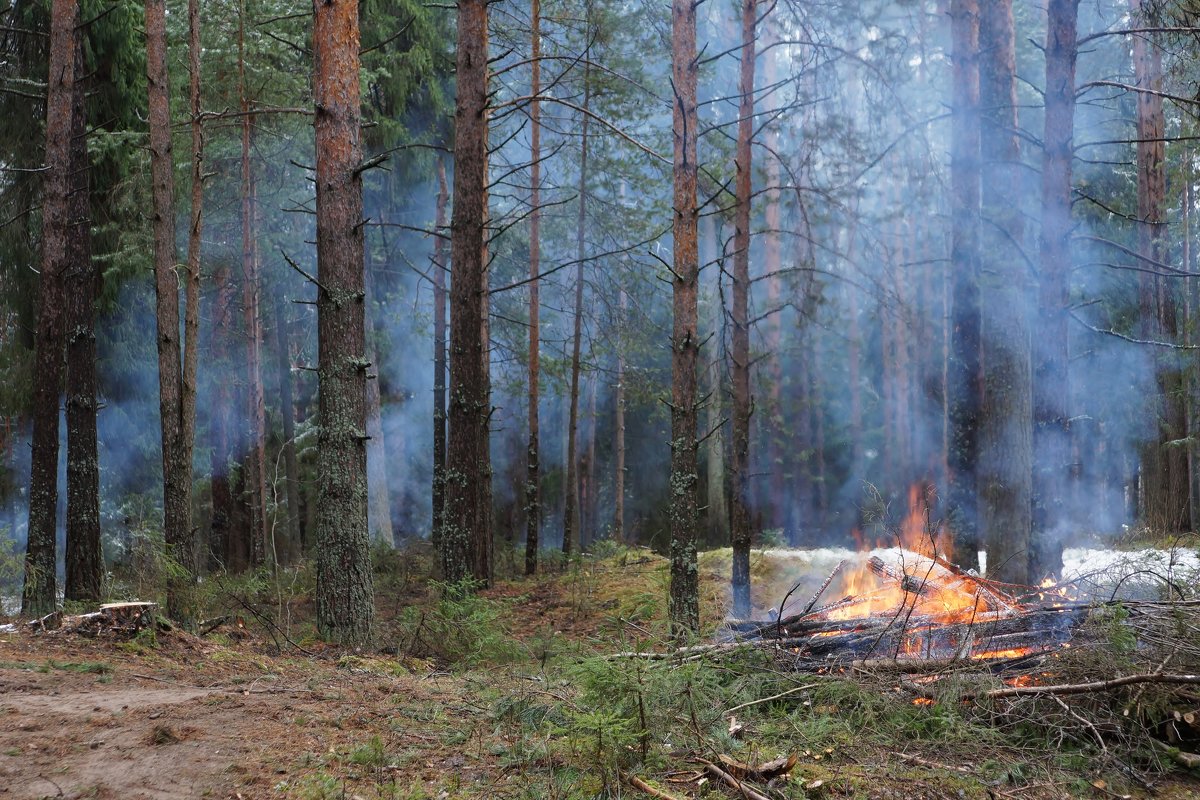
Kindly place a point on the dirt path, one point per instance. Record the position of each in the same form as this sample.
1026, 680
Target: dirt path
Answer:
84, 719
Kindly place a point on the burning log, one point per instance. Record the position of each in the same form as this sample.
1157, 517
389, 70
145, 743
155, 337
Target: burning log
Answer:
1030, 632
884, 570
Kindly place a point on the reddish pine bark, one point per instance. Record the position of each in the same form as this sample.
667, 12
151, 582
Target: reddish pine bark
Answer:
255, 463
466, 521
739, 461
177, 476
1164, 467
683, 603
345, 606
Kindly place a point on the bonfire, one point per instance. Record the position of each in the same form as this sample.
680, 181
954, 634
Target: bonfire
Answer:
912, 603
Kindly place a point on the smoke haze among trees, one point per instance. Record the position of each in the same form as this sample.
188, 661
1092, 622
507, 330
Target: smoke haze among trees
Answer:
798, 266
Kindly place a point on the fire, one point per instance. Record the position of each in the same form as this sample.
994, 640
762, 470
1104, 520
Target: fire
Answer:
911, 601
1015, 652
922, 584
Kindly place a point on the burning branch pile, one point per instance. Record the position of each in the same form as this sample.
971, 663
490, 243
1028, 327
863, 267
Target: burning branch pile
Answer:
912, 607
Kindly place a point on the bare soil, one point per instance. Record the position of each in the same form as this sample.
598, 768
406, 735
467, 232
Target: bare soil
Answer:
190, 719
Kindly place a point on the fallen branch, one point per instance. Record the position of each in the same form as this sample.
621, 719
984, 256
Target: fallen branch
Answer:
730, 781
638, 783
820, 589
779, 696
1094, 686
924, 762
1180, 757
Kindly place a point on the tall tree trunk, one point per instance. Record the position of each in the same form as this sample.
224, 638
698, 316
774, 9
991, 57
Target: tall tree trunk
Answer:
223, 550
85, 560
769, 414
465, 518
345, 605
619, 427
533, 495
1165, 465
964, 390
739, 461
571, 516
379, 506
820, 477
38, 596
684, 603
177, 478
1005, 475
439, 359
1190, 327
223, 545
484, 533
1052, 389
254, 465
191, 303
287, 412
713, 387
591, 481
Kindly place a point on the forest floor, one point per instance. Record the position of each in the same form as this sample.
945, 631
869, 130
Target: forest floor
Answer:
508, 695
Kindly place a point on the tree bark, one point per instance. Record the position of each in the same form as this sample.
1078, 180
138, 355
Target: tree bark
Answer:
684, 604
964, 390
571, 516
345, 606
713, 386
589, 529
439, 359
222, 549
1052, 430
1005, 474
619, 426
38, 597
191, 303
177, 522
1164, 466
379, 505
465, 517
84, 558
255, 463
769, 414
287, 412
739, 462
533, 494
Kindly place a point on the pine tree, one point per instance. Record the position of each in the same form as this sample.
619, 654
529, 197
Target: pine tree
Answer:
345, 603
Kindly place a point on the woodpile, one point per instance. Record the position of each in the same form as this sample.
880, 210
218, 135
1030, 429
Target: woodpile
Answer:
921, 608
118, 619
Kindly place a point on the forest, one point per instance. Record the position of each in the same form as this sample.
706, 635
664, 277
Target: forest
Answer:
399, 338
